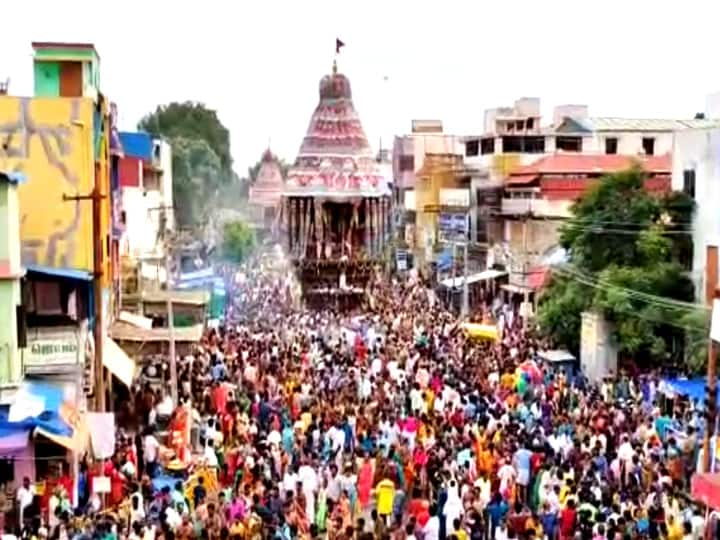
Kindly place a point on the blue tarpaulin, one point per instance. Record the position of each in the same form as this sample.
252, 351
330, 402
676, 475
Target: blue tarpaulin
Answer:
37, 405
445, 260
694, 389
137, 145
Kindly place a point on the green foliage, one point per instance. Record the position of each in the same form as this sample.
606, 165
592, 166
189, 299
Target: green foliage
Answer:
697, 324
197, 173
607, 220
624, 247
238, 241
202, 163
560, 307
190, 120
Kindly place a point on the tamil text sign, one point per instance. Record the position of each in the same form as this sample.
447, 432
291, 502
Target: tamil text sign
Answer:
53, 348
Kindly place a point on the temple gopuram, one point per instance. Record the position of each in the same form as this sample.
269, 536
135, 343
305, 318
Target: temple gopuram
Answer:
266, 192
337, 212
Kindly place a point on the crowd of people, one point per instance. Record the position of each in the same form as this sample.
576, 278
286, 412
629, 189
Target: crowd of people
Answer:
391, 423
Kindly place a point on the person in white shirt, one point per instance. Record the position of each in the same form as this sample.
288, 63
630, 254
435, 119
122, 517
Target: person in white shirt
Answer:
289, 482
151, 446
431, 530
165, 407
24, 497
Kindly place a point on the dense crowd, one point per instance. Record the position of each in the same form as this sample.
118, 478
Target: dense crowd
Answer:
391, 422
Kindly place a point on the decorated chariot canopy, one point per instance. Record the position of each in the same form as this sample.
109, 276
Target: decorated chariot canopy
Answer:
335, 160
269, 184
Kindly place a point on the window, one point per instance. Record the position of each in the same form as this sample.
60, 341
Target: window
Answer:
407, 163
529, 123
534, 145
569, 144
123, 217
487, 146
648, 146
511, 145
520, 125
611, 145
472, 148
689, 182
523, 145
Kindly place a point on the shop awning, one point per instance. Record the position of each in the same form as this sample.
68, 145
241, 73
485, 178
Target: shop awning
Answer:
50, 408
13, 441
77, 442
118, 362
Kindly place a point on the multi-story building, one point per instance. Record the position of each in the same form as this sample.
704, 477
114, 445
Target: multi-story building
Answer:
696, 171
409, 156
145, 180
538, 198
60, 139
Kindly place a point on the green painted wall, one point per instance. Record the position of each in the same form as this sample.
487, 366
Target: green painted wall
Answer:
47, 79
9, 288
65, 54
9, 353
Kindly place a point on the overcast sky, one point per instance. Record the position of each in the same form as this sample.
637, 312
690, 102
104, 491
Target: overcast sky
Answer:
259, 62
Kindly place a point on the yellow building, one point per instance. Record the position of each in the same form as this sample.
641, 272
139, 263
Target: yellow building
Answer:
59, 139
440, 173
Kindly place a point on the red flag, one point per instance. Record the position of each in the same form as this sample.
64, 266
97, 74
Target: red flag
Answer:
338, 45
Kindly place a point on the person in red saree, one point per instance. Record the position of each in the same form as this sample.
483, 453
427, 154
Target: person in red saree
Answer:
117, 481
365, 482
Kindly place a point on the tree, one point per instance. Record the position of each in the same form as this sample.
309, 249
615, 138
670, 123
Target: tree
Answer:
624, 248
190, 120
238, 241
202, 163
197, 171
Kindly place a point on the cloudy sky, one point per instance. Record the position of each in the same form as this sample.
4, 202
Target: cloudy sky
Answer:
258, 62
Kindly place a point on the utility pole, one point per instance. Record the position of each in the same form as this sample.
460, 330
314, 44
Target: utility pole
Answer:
171, 325
466, 285
96, 197
167, 248
525, 270
711, 394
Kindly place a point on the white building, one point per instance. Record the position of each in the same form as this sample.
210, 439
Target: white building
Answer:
147, 203
696, 171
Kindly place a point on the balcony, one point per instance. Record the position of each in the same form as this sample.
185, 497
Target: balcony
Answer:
536, 207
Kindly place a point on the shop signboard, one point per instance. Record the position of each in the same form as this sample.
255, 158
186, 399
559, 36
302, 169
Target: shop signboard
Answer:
51, 350
401, 260
452, 226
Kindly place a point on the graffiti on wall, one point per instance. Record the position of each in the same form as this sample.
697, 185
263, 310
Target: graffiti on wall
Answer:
48, 140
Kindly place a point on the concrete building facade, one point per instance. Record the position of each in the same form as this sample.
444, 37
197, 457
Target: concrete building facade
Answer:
696, 171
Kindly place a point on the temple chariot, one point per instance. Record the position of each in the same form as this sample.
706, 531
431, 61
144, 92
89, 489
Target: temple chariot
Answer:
336, 203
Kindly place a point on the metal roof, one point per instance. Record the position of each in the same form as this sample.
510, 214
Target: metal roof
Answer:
643, 124
67, 273
191, 298
120, 331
